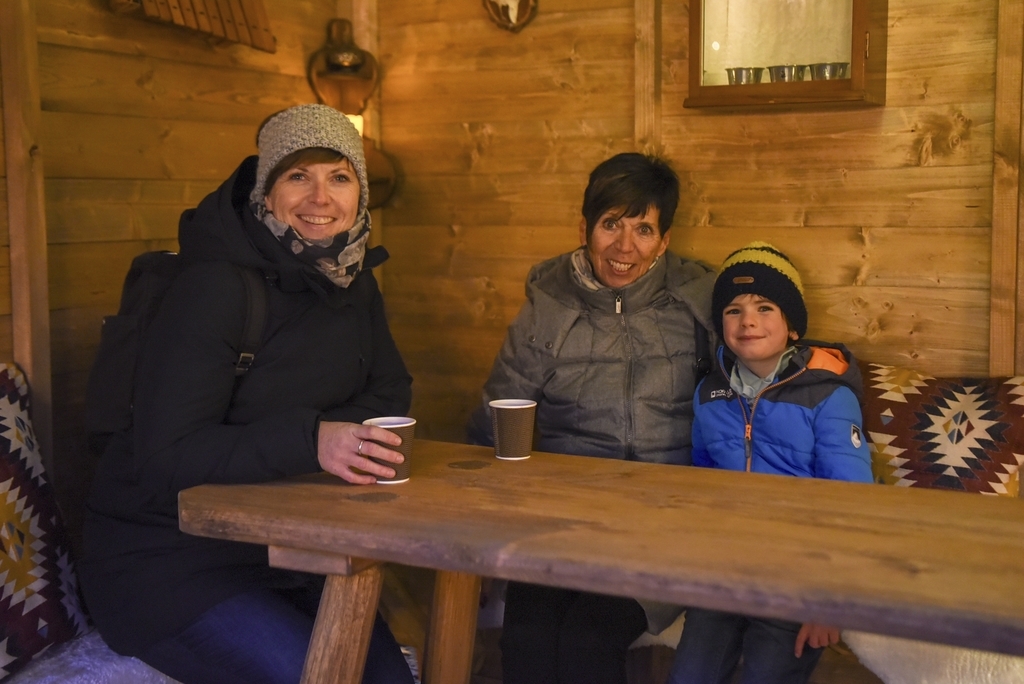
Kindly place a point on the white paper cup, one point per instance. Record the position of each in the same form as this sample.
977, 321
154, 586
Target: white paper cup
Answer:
404, 427
512, 420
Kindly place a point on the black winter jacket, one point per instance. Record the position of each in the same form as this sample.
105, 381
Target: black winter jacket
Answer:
326, 354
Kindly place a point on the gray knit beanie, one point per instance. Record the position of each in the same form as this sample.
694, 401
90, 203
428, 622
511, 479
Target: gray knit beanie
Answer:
309, 125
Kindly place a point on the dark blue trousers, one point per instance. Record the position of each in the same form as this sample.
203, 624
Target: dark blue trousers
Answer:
560, 636
713, 642
261, 637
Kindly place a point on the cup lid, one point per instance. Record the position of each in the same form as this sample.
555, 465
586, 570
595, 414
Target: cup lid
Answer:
512, 403
390, 421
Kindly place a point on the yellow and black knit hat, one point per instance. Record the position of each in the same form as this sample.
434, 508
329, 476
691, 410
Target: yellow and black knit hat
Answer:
760, 269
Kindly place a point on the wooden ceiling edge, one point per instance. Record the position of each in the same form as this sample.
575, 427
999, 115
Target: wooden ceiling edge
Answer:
30, 309
1006, 328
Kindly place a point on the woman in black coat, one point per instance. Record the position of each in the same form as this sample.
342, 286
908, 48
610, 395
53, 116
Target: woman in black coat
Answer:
204, 610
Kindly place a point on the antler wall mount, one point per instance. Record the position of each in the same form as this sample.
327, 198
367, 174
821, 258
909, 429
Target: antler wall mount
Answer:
511, 15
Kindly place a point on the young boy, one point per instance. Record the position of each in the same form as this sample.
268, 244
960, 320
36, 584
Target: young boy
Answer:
771, 404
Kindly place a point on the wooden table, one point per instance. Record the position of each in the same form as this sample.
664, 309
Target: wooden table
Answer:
931, 565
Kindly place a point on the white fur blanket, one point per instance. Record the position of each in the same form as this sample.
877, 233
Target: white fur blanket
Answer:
905, 661
87, 660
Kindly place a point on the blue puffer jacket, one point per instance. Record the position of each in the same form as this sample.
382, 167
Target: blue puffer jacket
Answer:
807, 423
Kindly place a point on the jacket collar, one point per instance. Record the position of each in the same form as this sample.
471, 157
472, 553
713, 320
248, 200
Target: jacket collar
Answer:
639, 294
841, 365
674, 278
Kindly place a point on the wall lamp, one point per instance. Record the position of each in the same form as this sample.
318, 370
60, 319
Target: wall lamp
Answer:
343, 76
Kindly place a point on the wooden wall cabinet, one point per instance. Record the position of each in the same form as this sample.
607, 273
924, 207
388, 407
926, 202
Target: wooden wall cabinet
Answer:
763, 33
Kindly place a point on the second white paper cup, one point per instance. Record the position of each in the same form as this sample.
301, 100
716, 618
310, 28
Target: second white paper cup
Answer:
512, 420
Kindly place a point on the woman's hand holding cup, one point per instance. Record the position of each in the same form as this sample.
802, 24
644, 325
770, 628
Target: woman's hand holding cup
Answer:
341, 447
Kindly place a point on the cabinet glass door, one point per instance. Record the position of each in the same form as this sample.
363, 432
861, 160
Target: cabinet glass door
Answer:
763, 33
785, 52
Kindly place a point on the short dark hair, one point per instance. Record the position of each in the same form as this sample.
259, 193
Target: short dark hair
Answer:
307, 155
636, 182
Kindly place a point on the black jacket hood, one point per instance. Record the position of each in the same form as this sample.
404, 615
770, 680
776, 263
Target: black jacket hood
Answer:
224, 228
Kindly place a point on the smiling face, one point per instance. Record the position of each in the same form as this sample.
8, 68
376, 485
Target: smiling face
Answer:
318, 200
622, 249
756, 332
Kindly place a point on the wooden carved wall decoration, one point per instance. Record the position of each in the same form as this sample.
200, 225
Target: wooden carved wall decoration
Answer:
238, 21
511, 15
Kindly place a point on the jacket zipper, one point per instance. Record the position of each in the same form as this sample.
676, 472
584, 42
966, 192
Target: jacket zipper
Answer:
629, 379
748, 431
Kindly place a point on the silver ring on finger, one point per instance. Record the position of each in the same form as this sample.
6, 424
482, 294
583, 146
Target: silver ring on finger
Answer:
359, 449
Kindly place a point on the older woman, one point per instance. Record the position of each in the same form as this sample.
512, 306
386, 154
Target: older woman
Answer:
204, 610
606, 346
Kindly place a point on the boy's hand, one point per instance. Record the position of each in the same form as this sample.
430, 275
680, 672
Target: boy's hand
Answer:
816, 636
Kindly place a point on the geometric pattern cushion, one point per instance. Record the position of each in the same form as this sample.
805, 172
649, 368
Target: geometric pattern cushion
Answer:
39, 604
963, 434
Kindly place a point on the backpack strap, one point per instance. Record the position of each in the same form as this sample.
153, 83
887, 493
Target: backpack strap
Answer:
702, 352
255, 317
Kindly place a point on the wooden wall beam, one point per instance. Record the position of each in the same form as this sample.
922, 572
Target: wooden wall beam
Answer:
366, 33
30, 309
647, 81
1006, 329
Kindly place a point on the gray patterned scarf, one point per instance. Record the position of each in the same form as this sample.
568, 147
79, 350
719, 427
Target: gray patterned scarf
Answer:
309, 126
338, 258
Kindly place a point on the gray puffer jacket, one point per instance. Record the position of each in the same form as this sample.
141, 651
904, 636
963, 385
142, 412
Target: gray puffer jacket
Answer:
612, 371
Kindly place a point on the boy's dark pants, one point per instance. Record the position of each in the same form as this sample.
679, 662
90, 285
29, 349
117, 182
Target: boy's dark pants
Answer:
713, 641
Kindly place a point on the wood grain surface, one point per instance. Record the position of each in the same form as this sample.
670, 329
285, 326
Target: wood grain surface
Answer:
931, 565
341, 633
452, 629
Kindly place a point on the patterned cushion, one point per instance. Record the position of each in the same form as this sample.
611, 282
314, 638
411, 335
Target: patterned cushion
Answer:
965, 434
39, 604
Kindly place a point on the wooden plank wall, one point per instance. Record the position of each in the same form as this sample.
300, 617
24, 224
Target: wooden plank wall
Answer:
886, 211
495, 134
140, 120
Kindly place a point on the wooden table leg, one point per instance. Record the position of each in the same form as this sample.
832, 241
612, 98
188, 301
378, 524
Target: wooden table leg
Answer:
344, 623
452, 633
